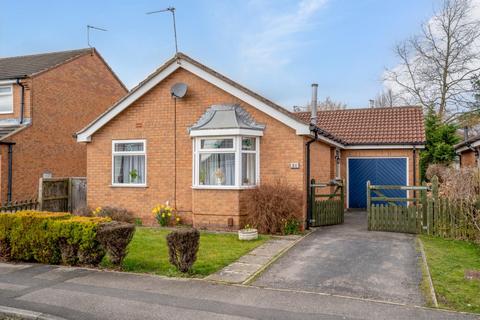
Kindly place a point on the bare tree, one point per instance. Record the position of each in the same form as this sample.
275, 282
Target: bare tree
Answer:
437, 66
327, 104
386, 98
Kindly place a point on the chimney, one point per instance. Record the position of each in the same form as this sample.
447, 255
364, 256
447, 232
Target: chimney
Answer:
313, 117
465, 133
371, 103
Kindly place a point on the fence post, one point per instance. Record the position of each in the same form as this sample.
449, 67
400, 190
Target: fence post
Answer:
342, 199
436, 205
423, 199
69, 193
40, 194
369, 207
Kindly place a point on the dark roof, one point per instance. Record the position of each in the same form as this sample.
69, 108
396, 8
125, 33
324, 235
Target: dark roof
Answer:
467, 142
393, 125
22, 66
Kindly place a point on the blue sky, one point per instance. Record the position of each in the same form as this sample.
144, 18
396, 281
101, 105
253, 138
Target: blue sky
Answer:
274, 47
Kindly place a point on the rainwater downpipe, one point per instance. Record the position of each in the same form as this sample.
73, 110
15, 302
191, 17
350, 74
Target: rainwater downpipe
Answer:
414, 170
22, 101
313, 129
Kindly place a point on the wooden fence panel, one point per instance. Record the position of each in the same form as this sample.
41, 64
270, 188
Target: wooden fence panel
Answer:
78, 193
62, 194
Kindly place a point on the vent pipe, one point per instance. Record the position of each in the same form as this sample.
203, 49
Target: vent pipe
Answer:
313, 117
371, 103
465, 133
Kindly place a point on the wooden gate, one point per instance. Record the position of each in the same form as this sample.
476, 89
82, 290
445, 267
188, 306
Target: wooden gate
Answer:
62, 194
429, 213
327, 202
396, 214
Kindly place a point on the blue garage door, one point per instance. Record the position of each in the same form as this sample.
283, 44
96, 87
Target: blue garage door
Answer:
380, 171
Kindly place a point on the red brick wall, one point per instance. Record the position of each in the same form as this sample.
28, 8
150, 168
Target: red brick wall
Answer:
152, 118
63, 100
468, 159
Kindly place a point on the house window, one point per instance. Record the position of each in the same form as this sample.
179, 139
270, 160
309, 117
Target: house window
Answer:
129, 163
227, 162
6, 99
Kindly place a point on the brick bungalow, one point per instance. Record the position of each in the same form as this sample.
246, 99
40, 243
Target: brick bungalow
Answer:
469, 152
44, 100
201, 149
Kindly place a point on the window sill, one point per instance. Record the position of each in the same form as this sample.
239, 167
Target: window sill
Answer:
200, 187
6, 112
128, 186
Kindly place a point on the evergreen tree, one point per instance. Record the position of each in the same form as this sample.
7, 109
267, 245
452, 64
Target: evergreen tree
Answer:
441, 138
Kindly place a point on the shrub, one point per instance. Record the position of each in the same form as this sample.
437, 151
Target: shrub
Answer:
268, 206
83, 212
438, 170
115, 213
115, 237
182, 248
77, 240
50, 237
291, 226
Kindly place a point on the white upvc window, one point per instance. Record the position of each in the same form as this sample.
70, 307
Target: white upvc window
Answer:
129, 163
230, 162
6, 99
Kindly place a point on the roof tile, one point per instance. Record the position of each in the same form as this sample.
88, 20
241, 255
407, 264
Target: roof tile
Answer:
394, 125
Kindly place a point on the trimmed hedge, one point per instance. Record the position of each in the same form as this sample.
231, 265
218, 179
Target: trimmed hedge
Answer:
52, 238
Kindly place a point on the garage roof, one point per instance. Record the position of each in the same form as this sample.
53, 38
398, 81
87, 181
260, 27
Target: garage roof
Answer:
373, 126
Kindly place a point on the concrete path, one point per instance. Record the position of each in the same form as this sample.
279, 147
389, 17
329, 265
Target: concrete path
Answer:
349, 260
75, 293
248, 265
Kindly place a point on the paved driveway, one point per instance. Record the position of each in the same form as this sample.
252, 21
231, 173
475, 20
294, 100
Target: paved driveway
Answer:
349, 260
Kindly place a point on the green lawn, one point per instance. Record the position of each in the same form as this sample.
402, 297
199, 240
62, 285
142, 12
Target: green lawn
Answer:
448, 260
148, 252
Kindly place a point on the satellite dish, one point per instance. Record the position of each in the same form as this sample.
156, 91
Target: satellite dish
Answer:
178, 90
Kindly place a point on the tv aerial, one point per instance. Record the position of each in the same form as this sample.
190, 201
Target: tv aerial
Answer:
89, 27
172, 10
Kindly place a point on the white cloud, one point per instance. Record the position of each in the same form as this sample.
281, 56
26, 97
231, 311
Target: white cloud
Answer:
272, 43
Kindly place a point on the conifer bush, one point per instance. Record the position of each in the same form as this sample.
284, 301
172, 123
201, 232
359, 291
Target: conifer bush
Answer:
183, 247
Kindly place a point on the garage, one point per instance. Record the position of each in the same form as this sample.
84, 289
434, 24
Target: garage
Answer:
380, 171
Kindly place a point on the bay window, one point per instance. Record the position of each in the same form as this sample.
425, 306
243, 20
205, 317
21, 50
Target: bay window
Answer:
129, 163
226, 162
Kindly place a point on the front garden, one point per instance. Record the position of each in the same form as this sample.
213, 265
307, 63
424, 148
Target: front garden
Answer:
148, 252
107, 237
455, 270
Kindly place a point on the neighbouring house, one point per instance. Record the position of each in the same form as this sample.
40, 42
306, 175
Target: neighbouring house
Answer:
44, 99
469, 151
195, 138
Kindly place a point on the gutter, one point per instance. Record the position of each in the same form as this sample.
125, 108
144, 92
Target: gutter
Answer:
10, 168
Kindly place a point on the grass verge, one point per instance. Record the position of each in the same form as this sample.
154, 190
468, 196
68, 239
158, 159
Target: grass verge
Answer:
148, 253
448, 260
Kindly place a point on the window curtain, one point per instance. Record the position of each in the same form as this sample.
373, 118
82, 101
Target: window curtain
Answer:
217, 169
130, 169
248, 169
